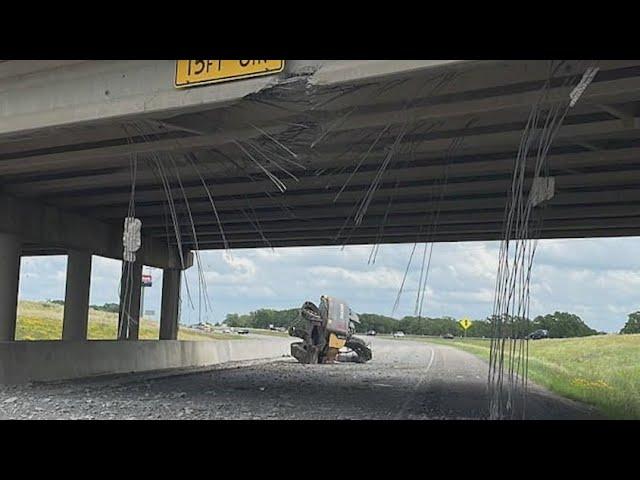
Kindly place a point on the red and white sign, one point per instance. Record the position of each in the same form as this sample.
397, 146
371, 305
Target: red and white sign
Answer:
147, 281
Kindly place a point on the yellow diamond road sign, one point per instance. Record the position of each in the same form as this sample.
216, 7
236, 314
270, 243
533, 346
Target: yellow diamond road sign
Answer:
190, 73
465, 323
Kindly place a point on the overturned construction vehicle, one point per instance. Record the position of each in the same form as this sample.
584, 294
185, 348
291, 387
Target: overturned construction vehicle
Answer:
327, 333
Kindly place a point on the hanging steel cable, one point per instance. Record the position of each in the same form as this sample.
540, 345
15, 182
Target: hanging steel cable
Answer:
168, 177
442, 182
131, 243
508, 362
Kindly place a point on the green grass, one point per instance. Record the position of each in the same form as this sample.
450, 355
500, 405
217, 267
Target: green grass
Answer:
43, 321
603, 371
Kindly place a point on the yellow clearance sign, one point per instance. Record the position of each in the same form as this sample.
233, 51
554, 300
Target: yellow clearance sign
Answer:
190, 73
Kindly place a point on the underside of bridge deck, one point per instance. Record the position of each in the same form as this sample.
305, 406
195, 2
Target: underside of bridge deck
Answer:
290, 161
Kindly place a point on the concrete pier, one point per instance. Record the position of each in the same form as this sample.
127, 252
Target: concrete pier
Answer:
169, 311
10, 249
76, 297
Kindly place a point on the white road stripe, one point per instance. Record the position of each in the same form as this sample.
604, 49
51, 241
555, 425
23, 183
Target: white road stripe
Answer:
402, 410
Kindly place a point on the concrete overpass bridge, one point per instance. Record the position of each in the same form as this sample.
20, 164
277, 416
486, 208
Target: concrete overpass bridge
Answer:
320, 153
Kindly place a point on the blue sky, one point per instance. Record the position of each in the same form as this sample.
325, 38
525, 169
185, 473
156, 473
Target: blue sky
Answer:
598, 279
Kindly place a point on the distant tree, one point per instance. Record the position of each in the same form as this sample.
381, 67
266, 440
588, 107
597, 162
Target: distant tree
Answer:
563, 325
480, 328
429, 326
379, 323
511, 326
262, 318
107, 307
559, 324
633, 324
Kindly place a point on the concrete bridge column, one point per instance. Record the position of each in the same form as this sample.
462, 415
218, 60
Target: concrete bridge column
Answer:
10, 248
170, 304
130, 291
76, 298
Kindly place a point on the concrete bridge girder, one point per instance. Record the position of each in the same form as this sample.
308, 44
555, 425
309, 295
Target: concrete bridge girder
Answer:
40, 224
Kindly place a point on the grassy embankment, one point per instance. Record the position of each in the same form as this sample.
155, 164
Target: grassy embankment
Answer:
603, 371
43, 321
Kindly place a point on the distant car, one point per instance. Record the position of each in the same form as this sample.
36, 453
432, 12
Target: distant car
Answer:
226, 330
242, 331
538, 334
448, 336
398, 334
373, 333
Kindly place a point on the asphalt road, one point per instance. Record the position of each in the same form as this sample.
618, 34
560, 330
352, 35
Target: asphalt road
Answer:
405, 380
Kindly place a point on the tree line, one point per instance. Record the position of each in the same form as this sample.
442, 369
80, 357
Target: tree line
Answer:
263, 318
558, 324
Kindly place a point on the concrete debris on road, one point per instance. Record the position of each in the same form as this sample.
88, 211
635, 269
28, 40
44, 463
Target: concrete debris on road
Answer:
424, 384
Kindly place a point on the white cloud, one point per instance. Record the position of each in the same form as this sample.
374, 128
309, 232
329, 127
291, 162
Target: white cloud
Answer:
381, 277
234, 270
598, 279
